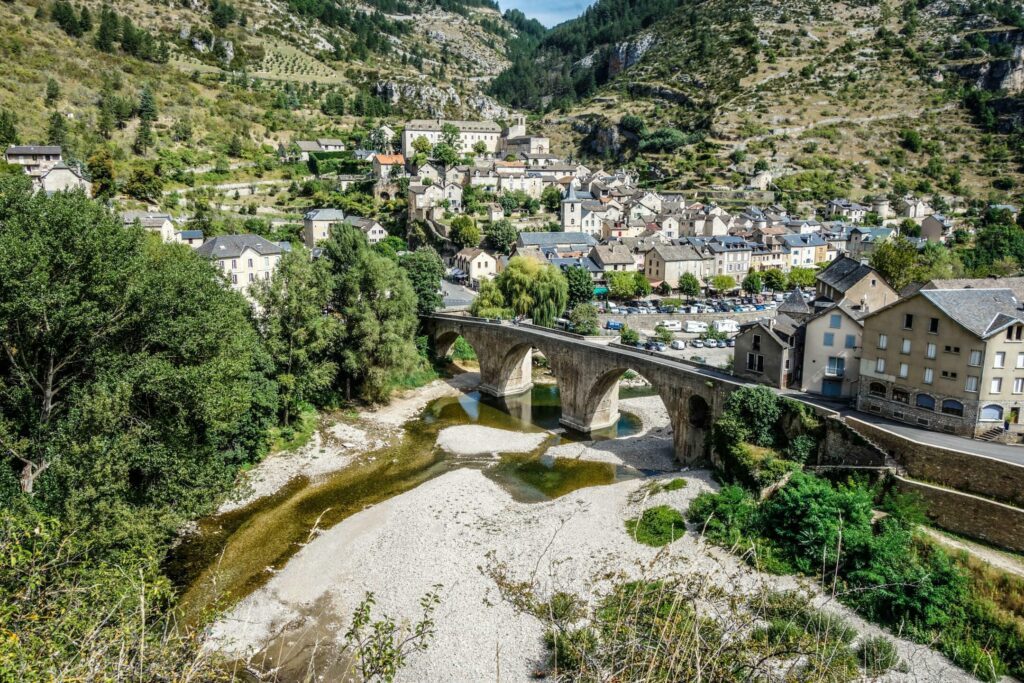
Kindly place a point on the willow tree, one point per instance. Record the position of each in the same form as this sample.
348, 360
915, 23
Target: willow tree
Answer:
534, 289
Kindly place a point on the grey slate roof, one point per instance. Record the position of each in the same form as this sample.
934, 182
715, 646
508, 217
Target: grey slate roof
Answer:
808, 240
232, 246
671, 252
147, 219
983, 312
550, 239
844, 273
611, 254
325, 215
34, 149
795, 303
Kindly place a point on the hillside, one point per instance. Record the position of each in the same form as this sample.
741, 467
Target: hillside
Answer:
824, 95
264, 71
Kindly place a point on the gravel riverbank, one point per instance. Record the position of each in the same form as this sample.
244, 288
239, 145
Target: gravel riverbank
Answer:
478, 440
447, 530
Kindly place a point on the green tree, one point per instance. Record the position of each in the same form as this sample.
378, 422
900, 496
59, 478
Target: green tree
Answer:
101, 172
723, 284
446, 154
628, 336
551, 198
801, 277
689, 285
621, 285
502, 236
663, 334
775, 280
295, 331
425, 270
421, 145
52, 92
143, 184
641, 285
584, 319
181, 130
752, 283
451, 136
534, 289
235, 148
147, 105
143, 138
479, 148
109, 30
8, 128
464, 232
893, 259
490, 302
56, 130
581, 286
377, 305
911, 140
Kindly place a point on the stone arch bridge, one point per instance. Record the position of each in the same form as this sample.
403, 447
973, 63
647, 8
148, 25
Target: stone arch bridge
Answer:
588, 375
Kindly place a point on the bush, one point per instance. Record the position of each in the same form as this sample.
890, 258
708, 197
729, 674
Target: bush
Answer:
657, 526
461, 350
725, 517
877, 655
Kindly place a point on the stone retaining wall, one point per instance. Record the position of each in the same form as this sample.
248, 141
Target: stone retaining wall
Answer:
650, 320
976, 474
973, 516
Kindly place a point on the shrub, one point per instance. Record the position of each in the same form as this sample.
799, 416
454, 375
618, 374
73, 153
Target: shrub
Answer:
675, 485
877, 655
461, 350
726, 516
657, 526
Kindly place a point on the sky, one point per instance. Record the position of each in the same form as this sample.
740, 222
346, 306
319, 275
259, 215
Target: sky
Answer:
547, 12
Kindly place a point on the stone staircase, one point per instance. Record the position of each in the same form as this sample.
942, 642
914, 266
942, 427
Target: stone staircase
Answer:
990, 435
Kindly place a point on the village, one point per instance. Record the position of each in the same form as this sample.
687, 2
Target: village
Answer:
785, 300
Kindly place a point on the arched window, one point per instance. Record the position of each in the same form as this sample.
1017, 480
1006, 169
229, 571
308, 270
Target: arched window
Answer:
925, 401
952, 407
876, 389
901, 395
992, 413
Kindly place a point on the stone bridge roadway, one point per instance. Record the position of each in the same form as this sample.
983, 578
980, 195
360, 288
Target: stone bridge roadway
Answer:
588, 375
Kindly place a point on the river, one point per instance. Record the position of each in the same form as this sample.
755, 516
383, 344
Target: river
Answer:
232, 554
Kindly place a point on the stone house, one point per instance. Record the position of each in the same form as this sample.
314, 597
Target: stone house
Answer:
950, 360
763, 351
34, 159
316, 225
470, 132
158, 223
830, 362
477, 264
805, 250
854, 282
613, 257
668, 262
936, 228
244, 259
372, 229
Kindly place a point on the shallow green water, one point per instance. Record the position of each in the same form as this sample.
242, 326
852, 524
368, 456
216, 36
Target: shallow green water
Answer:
231, 554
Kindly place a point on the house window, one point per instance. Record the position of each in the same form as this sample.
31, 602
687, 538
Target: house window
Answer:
1018, 385
929, 351
757, 342
908, 321
266, 261
234, 278
234, 264
835, 321
946, 374
992, 413
953, 407
877, 389
955, 349
1014, 333
975, 358
879, 365
905, 346
933, 325
250, 263
829, 338
972, 383
924, 401
851, 341
1000, 359
929, 375
996, 385
755, 362
904, 370
1020, 360
883, 341
836, 367
252, 277
901, 396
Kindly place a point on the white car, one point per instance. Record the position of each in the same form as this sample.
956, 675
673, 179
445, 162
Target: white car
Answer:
678, 344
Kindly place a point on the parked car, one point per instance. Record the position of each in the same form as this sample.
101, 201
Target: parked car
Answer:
731, 343
678, 344
697, 344
613, 325
659, 346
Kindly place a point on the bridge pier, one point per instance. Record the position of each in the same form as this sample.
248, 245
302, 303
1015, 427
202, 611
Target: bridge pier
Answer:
508, 374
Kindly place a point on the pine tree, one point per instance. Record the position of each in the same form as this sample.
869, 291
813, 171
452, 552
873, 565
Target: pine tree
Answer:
109, 30
143, 138
8, 128
57, 131
52, 92
85, 20
147, 105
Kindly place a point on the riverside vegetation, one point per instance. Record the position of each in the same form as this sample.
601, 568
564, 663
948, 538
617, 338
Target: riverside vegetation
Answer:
134, 387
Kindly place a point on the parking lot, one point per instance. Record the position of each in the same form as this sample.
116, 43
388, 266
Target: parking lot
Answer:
655, 306
712, 356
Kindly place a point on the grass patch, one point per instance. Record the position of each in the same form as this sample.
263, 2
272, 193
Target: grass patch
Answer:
657, 526
297, 434
674, 485
877, 655
414, 379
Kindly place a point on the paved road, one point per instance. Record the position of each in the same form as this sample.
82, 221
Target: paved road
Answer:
456, 296
998, 451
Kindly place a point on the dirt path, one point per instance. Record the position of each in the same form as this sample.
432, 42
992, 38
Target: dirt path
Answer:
1007, 562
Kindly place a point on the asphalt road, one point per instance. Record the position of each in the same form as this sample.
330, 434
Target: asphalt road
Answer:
456, 296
